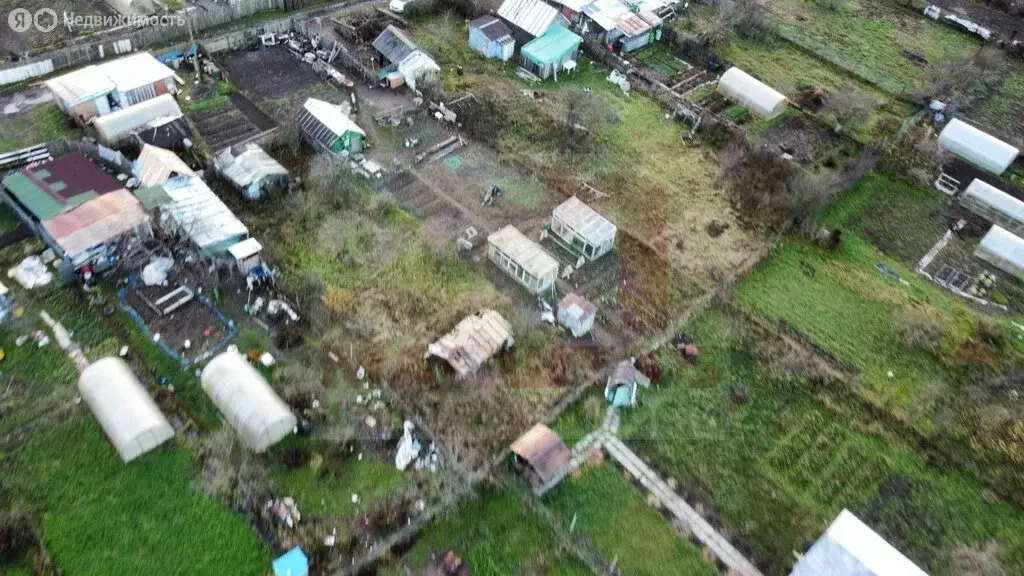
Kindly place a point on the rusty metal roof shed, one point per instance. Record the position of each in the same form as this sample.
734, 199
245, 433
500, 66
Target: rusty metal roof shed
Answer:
543, 450
473, 341
98, 221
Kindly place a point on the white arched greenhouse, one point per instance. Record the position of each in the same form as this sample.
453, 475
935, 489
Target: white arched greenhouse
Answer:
759, 98
129, 417
976, 147
248, 403
1002, 250
994, 205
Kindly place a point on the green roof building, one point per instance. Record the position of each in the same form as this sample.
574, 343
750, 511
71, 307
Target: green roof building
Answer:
547, 55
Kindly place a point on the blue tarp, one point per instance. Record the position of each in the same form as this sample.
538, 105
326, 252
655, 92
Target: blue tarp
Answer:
292, 563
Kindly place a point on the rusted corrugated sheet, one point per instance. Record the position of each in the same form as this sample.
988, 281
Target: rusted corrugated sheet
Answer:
473, 341
543, 450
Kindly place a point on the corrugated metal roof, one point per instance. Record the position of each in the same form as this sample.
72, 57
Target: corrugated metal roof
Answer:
532, 16
574, 5
245, 249
248, 164
102, 219
492, 27
544, 450
131, 72
552, 46
585, 221
577, 307
851, 548
152, 196
157, 165
473, 341
200, 214
80, 86
394, 45
51, 187
523, 251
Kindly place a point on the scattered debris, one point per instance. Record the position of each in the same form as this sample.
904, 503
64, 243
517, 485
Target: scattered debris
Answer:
284, 511
408, 447
31, 273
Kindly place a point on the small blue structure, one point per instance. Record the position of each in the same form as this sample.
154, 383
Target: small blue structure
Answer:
489, 36
292, 563
620, 391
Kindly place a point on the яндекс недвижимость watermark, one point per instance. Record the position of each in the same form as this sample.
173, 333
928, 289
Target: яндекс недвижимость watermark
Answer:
47, 20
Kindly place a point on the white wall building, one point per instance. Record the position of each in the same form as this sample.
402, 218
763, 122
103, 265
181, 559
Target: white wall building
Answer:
129, 417
756, 96
976, 147
248, 403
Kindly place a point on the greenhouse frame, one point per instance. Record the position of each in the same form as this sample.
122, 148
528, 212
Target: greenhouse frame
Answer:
522, 259
759, 98
1004, 250
249, 404
129, 417
580, 226
977, 147
994, 205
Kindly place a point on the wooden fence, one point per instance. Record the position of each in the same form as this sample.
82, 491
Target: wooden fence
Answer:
174, 29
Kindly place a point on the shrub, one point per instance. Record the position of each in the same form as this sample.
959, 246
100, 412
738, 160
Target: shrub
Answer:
15, 536
833, 5
850, 107
921, 331
1000, 298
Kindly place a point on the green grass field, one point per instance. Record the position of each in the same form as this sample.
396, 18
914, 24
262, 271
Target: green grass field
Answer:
495, 535
870, 36
780, 467
614, 516
881, 206
37, 126
100, 516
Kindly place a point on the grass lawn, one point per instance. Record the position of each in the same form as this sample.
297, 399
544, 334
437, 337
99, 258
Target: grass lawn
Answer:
495, 535
779, 468
615, 517
1001, 112
657, 186
789, 69
100, 516
870, 36
8, 221
882, 208
37, 126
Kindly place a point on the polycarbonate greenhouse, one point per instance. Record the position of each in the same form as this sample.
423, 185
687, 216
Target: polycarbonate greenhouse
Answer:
1003, 250
994, 205
977, 147
756, 96
249, 404
129, 417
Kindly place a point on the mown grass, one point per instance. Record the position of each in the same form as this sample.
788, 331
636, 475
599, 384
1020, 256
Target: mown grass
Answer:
495, 535
37, 126
616, 518
780, 467
100, 516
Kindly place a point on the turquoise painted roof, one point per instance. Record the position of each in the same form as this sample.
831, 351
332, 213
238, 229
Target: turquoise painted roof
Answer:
552, 46
621, 396
292, 563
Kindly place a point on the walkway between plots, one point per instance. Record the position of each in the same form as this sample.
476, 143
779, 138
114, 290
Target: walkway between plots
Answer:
607, 437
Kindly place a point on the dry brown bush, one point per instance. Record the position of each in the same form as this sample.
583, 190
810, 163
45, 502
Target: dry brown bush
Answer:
732, 17
965, 561
850, 108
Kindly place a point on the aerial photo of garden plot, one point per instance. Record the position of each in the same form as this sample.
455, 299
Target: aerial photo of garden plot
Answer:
514, 287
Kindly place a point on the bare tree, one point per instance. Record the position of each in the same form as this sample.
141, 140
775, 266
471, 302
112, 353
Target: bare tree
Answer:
961, 80
585, 113
850, 108
732, 17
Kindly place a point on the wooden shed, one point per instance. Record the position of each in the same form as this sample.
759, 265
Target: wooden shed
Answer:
522, 259
540, 455
489, 36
